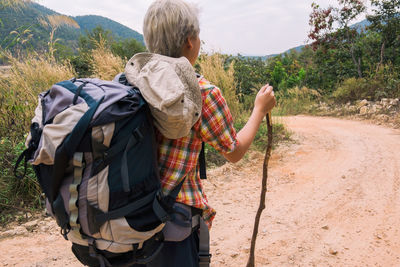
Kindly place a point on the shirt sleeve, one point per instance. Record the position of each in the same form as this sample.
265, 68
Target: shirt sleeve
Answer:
216, 123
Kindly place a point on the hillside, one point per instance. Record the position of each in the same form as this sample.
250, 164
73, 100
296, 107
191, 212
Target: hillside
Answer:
25, 25
89, 22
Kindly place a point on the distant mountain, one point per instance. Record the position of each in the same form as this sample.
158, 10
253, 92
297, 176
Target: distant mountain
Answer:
297, 49
89, 22
359, 26
24, 23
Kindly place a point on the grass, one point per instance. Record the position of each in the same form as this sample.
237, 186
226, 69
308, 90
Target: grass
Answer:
104, 64
19, 91
296, 101
213, 68
16, 195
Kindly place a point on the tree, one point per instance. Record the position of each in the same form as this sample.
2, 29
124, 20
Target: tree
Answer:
330, 29
250, 74
278, 76
88, 42
385, 20
127, 48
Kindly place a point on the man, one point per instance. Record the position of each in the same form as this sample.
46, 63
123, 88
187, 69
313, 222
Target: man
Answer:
171, 28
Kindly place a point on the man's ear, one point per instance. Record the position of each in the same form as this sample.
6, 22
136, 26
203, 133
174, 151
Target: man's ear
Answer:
188, 43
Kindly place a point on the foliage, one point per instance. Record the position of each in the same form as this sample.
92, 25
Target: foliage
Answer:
105, 65
19, 90
384, 84
212, 67
344, 53
15, 194
89, 44
126, 48
386, 22
250, 73
296, 101
213, 157
53, 22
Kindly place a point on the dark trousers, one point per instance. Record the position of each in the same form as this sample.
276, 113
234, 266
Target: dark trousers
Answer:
173, 254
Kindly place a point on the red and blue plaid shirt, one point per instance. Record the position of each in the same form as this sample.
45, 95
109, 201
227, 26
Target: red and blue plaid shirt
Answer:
178, 158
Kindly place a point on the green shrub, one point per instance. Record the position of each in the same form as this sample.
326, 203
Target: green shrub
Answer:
354, 89
384, 83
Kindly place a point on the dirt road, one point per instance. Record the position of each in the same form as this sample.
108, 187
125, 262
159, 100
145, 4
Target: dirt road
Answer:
333, 200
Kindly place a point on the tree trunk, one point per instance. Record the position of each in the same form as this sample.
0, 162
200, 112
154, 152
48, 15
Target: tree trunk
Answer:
382, 55
356, 63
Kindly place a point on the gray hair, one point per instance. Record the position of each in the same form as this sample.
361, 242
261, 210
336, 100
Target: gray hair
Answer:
167, 24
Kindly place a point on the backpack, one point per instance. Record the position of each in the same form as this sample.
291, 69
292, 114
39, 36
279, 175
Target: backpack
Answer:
92, 146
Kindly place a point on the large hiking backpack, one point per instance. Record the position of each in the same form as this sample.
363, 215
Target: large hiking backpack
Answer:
93, 149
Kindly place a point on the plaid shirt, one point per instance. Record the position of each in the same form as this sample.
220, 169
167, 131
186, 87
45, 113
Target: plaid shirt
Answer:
178, 158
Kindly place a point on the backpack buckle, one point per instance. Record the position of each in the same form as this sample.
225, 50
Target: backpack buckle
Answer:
205, 258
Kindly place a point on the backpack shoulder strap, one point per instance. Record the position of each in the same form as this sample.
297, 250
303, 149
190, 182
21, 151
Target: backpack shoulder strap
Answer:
202, 162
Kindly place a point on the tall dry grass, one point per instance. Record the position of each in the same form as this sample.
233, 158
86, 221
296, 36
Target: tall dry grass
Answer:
212, 67
53, 22
296, 101
104, 64
19, 91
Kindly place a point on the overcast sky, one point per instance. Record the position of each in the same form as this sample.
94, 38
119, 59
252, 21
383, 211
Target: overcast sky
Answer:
248, 27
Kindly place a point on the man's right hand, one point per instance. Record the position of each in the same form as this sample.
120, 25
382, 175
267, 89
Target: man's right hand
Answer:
265, 100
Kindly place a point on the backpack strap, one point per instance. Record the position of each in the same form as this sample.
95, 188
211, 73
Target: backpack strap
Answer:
66, 150
204, 245
36, 133
202, 162
204, 240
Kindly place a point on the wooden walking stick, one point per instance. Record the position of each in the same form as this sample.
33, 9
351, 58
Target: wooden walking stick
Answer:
261, 207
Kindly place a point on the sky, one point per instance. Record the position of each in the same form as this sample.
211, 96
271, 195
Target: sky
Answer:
247, 27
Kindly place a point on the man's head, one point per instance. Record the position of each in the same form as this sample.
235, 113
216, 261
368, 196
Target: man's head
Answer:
171, 28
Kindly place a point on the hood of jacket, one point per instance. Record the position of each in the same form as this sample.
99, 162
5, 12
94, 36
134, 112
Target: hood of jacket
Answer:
170, 87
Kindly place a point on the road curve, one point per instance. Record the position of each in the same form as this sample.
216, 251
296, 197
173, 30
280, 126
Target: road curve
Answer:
333, 199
